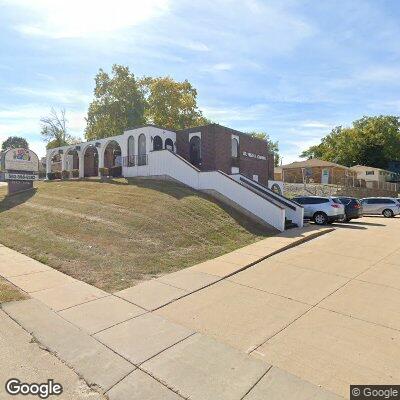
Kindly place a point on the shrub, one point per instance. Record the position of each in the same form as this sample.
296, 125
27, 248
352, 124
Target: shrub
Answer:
115, 172
75, 173
65, 174
103, 171
50, 176
57, 174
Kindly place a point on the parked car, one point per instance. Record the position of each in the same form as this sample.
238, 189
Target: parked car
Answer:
397, 199
322, 210
352, 208
386, 206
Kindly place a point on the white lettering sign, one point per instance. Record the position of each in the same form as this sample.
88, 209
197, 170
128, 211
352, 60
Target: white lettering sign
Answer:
252, 155
9, 176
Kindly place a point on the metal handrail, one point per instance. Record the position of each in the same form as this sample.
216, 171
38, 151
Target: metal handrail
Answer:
135, 160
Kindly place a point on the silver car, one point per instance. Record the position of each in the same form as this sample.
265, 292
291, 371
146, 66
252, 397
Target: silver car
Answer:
386, 206
322, 210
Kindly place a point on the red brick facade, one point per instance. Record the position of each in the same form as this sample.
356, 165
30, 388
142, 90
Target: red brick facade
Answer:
216, 151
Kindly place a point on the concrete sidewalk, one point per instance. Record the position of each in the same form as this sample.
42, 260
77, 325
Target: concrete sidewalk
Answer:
21, 357
120, 347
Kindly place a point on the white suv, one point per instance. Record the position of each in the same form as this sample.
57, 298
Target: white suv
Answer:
386, 206
322, 210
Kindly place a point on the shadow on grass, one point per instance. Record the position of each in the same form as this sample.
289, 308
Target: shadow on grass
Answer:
179, 192
14, 200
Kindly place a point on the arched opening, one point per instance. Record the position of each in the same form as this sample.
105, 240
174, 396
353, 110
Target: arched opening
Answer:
91, 162
157, 143
55, 162
131, 151
142, 150
235, 148
195, 150
169, 144
113, 159
72, 162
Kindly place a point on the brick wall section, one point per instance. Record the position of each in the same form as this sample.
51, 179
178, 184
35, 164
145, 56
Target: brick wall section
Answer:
216, 151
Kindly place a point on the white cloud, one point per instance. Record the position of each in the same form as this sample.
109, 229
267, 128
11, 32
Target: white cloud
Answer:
222, 67
316, 125
380, 74
76, 18
25, 121
195, 46
62, 96
227, 115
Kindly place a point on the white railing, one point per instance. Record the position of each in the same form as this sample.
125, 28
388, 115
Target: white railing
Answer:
165, 162
293, 211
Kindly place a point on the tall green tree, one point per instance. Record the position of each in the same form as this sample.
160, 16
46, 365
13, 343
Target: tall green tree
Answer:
54, 129
372, 141
273, 146
118, 104
171, 104
13, 142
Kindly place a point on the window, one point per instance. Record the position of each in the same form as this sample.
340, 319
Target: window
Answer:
131, 151
299, 200
387, 201
235, 148
195, 150
311, 200
369, 173
345, 200
157, 143
142, 149
169, 144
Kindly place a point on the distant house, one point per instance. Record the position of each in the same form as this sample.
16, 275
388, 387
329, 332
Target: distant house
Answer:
316, 171
375, 177
394, 166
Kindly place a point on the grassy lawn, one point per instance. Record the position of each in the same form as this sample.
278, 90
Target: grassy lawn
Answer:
115, 234
8, 292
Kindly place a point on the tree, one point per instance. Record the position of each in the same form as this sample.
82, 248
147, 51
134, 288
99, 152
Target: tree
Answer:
372, 141
118, 105
171, 104
14, 142
272, 146
54, 129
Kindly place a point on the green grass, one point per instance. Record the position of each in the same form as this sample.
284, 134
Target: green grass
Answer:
8, 292
114, 234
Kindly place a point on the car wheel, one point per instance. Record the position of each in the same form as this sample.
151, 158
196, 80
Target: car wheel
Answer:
320, 218
388, 213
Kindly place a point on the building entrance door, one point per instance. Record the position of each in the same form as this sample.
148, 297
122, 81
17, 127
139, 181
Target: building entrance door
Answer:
195, 151
325, 176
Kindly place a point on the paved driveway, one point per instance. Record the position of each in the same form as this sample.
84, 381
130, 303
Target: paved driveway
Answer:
327, 311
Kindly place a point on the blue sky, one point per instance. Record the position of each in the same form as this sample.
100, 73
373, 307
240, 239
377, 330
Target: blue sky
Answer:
293, 69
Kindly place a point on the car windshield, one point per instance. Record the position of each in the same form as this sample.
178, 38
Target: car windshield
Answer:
336, 200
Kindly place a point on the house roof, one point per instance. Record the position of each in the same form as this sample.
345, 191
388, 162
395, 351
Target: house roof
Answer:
366, 167
312, 162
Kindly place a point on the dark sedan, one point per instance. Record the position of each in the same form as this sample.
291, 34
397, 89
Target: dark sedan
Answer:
352, 208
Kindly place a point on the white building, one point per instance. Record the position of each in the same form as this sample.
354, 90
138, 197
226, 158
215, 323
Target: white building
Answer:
150, 151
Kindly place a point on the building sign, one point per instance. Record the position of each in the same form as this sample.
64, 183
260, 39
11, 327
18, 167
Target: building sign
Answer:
21, 169
21, 160
252, 155
12, 176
